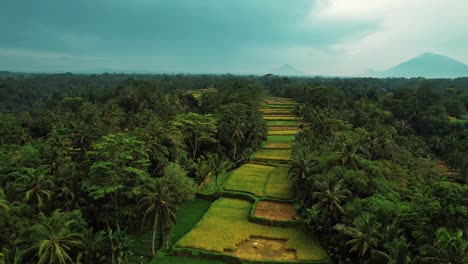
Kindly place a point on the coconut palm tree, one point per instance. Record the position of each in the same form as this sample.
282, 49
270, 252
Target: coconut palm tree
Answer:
399, 251
218, 164
4, 205
159, 211
448, 247
330, 195
94, 247
36, 185
53, 239
365, 236
302, 164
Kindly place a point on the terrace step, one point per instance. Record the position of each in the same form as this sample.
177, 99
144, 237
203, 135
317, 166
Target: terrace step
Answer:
277, 145
287, 123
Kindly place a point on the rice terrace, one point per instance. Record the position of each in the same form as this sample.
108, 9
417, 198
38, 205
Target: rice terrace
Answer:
254, 219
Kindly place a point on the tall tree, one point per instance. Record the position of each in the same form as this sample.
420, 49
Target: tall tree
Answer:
365, 236
53, 239
197, 130
159, 211
330, 194
118, 171
36, 185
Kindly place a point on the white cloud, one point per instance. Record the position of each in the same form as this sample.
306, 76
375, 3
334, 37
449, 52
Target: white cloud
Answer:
405, 29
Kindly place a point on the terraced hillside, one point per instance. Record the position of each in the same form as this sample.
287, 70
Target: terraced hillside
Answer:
255, 220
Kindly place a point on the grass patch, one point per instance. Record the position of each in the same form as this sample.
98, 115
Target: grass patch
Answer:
162, 258
280, 101
277, 145
249, 178
279, 185
276, 138
225, 225
280, 117
273, 111
279, 106
283, 132
455, 120
273, 154
209, 186
283, 123
188, 215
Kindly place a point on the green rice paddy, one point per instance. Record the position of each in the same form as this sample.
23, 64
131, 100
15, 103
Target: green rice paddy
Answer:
273, 154
226, 223
249, 178
279, 185
283, 123
225, 226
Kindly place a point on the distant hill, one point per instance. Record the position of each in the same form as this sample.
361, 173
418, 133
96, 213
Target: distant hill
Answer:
427, 65
287, 69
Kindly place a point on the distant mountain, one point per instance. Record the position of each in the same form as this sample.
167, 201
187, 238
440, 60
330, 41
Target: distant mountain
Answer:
287, 69
427, 65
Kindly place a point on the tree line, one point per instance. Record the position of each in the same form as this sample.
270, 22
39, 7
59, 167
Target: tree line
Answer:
80, 172
366, 173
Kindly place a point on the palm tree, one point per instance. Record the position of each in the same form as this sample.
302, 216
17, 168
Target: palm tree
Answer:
447, 248
399, 250
94, 247
11, 255
53, 239
302, 164
330, 194
120, 245
4, 206
218, 164
237, 136
159, 210
348, 154
365, 236
36, 185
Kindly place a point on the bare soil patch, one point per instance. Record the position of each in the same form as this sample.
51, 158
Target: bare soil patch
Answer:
275, 211
205, 181
259, 248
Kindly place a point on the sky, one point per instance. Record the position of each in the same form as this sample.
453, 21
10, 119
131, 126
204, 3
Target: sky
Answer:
321, 37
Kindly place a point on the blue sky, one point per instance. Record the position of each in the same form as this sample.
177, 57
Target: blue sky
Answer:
335, 37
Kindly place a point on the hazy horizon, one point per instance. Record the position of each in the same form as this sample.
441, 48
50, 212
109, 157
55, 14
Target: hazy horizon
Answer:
333, 38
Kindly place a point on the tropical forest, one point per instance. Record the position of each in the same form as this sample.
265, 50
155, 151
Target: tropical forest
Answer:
214, 169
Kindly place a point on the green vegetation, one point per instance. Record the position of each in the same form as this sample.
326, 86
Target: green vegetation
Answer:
279, 117
279, 145
188, 215
365, 178
273, 154
168, 259
279, 184
249, 178
283, 123
278, 106
283, 132
209, 187
225, 225
88, 162
275, 111
115, 159
283, 139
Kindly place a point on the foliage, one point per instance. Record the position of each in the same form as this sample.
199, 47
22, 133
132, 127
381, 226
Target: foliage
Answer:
54, 238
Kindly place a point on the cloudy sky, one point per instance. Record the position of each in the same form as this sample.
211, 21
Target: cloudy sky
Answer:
326, 37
